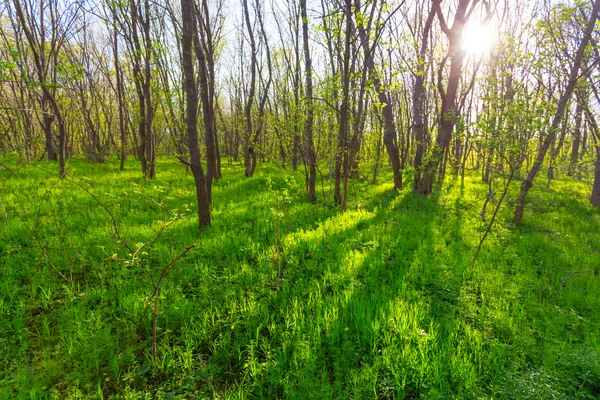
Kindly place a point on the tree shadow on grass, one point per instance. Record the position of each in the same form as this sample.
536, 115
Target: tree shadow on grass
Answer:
364, 295
356, 306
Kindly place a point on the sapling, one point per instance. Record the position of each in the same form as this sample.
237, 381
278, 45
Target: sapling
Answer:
137, 254
496, 209
512, 165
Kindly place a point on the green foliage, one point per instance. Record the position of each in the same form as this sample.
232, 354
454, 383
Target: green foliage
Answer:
376, 302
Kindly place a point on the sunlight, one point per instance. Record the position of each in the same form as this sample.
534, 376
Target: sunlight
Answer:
478, 39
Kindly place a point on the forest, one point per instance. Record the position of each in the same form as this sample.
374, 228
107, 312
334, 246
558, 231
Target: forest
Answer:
265, 199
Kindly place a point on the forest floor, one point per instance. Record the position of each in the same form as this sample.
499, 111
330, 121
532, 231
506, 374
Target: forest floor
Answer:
375, 302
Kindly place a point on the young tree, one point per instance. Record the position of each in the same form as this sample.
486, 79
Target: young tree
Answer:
141, 53
390, 135
189, 83
448, 110
347, 61
308, 127
418, 99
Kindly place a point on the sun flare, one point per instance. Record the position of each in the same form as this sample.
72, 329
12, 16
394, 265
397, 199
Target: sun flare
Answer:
479, 39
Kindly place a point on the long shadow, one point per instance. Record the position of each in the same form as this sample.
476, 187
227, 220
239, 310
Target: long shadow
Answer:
344, 310
369, 308
356, 352
339, 287
321, 262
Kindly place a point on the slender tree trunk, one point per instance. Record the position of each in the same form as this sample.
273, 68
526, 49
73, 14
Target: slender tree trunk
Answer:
419, 123
139, 81
188, 17
248, 137
47, 126
263, 100
120, 91
576, 140
213, 156
341, 155
150, 147
390, 135
308, 127
595, 198
556, 149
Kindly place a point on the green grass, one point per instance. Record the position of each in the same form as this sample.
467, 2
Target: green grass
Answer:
376, 302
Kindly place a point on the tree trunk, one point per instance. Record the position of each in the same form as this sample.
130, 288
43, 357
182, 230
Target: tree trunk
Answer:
341, 155
419, 123
448, 111
308, 127
556, 150
576, 140
47, 126
248, 137
150, 147
120, 95
595, 199
390, 135
139, 86
187, 9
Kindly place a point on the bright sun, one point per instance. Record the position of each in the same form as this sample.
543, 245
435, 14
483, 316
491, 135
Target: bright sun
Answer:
478, 39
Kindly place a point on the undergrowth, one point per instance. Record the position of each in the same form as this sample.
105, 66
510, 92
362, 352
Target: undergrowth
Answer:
283, 298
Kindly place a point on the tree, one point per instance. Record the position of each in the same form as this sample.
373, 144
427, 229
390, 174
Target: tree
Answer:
341, 154
189, 83
448, 109
141, 52
390, 135
559, 115
45, 56
418, 106
308, 127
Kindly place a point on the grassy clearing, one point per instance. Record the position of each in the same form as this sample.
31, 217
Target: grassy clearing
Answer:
376, 302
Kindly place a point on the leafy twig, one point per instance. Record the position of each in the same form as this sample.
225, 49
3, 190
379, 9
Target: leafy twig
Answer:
112, 217
564, 282
156, 292
8, 169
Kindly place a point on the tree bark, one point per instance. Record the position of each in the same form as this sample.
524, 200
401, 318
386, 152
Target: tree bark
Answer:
448, 111
248, 142
188, 28
595, 198
419, 124
390, 134
150, 147
120, 93
341, 155
576, 140
47, 126
308, 127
